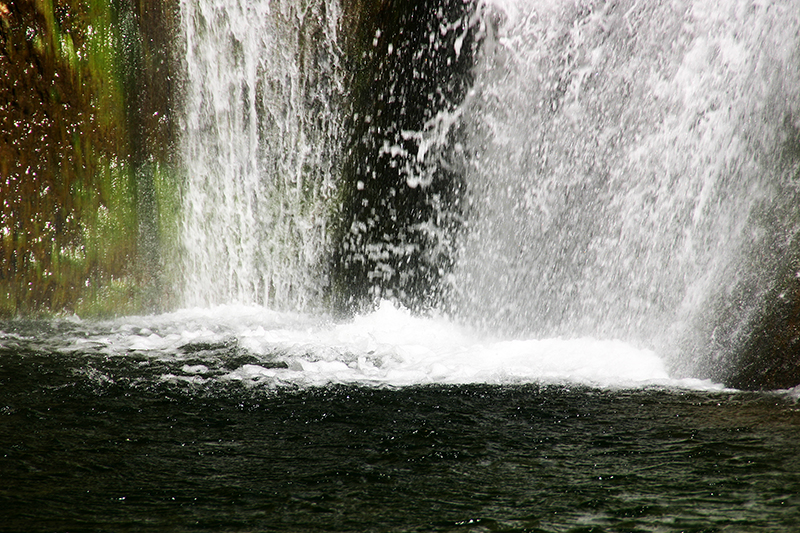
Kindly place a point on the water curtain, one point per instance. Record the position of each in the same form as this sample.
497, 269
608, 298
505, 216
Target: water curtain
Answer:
616, 170
262, 136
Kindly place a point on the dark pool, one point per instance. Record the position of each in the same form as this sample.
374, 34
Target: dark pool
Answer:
92, 442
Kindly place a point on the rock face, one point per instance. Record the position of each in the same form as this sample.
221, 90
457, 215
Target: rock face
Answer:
409, 68
769, 356
770, 359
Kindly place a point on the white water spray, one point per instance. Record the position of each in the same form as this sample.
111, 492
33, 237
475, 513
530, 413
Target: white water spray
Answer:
619, 155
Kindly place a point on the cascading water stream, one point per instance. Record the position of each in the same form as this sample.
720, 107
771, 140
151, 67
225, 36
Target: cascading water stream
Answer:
616, 170
626, 170
260, 146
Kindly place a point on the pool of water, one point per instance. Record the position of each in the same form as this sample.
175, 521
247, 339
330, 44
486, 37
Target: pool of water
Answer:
110, 427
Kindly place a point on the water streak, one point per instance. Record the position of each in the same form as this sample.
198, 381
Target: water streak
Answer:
260, 146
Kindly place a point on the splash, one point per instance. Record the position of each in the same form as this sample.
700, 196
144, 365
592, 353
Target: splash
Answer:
257, 347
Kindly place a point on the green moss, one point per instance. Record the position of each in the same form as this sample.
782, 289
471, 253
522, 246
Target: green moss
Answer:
70, 201
166, 183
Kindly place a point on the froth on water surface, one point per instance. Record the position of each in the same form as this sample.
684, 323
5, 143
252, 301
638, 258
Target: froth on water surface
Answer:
389, 347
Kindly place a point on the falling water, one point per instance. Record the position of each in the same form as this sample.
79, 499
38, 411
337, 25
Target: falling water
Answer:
617, 170
260, 148
626, 164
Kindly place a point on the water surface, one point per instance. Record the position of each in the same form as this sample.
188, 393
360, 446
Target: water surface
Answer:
118, 426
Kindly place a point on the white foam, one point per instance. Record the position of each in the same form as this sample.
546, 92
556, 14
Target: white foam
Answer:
195, 369
389, 347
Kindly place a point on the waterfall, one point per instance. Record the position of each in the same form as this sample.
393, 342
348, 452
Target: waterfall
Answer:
626, 166
618, 170
260, 143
